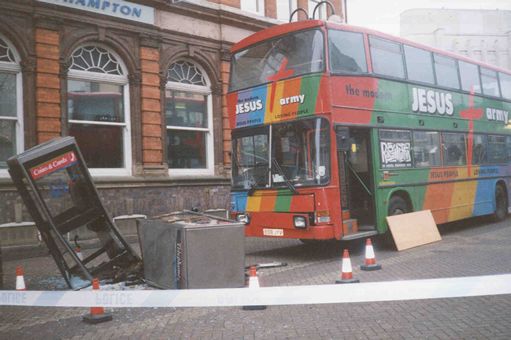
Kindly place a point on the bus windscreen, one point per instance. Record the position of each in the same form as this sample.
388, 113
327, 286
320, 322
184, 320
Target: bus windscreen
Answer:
283, 57
299, 152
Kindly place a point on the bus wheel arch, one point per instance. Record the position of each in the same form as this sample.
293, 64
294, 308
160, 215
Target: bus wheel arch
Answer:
501, 201
399, 203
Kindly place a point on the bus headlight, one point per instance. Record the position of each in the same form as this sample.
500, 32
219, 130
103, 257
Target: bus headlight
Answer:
245, 219
300, 222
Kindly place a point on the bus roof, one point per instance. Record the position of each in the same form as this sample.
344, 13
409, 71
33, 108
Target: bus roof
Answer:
458, 56
306, 24
274, 31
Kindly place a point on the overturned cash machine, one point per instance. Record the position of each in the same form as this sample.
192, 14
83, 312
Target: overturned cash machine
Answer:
58, 191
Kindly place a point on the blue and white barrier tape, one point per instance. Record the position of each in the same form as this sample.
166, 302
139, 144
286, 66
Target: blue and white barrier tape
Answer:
287, 295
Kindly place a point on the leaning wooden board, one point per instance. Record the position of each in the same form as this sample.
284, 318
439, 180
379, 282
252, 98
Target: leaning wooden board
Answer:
413, 229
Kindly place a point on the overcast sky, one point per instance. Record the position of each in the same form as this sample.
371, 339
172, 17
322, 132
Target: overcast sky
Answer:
383, 15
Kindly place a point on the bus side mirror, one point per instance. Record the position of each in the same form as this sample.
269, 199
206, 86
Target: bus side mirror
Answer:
342, 134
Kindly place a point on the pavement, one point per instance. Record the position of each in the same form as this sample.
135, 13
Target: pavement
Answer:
468, 248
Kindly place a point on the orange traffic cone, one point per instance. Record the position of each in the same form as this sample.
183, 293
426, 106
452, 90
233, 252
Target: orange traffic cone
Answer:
78, 252
97, 314
20, 281
370, 260
346, 274
253, 283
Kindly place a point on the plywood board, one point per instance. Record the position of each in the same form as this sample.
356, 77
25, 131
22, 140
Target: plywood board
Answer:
413, 229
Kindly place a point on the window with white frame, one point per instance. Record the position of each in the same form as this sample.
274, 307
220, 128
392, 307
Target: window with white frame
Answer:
189, 121
321, 12
11, 104
98, 109
285, 8
254, 6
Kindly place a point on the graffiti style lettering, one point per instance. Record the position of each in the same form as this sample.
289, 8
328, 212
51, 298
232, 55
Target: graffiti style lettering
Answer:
395, 154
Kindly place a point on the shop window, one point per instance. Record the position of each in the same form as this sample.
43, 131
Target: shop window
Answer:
11, 104
98, 110
188, 117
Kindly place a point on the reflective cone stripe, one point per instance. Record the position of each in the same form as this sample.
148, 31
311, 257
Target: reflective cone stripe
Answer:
96, 310
79, 254
253, 281
97, 314
370, 258
20, 281
347, 271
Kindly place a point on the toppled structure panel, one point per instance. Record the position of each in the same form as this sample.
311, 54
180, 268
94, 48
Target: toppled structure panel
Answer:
57, 189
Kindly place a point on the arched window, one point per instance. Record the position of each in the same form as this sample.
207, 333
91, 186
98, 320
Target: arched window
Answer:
98, 109
189, 121
11, 104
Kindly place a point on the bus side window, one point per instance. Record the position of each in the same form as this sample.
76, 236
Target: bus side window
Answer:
347, 52
426, 148
479, 149
454, 149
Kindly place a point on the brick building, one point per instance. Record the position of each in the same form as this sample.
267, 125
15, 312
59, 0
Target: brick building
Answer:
139, 84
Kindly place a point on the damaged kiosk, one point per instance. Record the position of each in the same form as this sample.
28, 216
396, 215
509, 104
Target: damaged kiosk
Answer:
58, 191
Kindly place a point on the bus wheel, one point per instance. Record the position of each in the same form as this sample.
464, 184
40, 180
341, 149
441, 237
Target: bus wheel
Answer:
397, 206
500, 204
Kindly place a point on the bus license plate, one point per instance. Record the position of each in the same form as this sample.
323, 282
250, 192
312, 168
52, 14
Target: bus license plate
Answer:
273, 232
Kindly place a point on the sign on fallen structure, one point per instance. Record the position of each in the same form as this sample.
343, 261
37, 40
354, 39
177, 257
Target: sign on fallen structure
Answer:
59, 193
413, 229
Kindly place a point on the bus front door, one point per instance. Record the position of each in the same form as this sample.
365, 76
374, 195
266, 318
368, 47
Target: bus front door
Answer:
356, 182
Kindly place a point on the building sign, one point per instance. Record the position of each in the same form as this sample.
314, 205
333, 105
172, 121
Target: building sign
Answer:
57, 163
115, 8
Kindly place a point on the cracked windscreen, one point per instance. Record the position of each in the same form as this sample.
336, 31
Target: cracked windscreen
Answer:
289, 55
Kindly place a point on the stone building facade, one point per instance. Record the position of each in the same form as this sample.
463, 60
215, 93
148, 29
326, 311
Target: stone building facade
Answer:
139, 84
484, 35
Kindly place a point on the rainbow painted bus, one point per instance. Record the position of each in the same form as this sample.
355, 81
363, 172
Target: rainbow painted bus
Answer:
335, 127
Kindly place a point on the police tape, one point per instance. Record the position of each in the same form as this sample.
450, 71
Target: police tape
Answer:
286, 295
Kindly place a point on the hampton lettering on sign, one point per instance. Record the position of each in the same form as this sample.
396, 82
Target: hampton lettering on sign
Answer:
115, 8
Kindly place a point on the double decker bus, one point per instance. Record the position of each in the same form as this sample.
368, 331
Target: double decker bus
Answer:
335, 127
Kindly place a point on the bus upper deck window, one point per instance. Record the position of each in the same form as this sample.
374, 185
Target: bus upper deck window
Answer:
347, 52
387, 57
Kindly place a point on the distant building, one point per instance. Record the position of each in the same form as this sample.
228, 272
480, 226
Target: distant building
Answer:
484, 35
